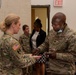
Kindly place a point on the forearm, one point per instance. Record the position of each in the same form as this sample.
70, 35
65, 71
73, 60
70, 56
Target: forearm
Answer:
26, 60
65, 57
43, 47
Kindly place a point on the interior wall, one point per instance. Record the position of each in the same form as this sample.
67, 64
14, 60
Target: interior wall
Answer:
67, 8
19, 7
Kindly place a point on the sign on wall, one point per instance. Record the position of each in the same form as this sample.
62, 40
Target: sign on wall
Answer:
58, 2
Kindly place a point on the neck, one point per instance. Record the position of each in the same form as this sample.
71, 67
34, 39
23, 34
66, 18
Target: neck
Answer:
9, 31
27, 34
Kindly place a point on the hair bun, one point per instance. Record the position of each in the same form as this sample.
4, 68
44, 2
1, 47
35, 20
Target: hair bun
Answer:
38, 20
38, 23
2, 26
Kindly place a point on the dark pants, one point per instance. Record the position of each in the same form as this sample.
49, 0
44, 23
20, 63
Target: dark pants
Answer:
27, 71
49, 73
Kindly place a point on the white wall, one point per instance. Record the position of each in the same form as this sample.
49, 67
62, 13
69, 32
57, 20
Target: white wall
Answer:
69, 8
19, 7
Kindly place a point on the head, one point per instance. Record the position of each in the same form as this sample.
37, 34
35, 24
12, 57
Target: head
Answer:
37, 25
12, 22
25, 29
59, 22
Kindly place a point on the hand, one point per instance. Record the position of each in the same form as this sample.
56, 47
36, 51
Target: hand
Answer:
35, 51
36, 57
50, 54
47, 54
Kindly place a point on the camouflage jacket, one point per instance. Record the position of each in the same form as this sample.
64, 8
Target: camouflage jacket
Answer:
12, 57
24, 41
65, 45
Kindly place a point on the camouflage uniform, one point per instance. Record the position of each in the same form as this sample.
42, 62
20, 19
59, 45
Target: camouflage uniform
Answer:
65, 46
24, 41
12, 58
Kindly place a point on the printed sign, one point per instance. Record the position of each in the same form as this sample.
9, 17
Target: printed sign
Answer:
58, 2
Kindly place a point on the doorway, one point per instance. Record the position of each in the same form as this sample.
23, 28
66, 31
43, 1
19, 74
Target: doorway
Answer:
42, 12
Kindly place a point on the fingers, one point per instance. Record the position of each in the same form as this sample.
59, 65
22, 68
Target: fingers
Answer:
37, 57
35, 51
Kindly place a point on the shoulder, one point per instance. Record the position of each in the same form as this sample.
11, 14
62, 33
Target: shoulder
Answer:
71, 35
6, 38
21, 36
14, 43
52, 32
69, 32
10, 39
42, 31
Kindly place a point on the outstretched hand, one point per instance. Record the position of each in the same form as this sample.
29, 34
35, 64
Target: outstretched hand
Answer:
36, 57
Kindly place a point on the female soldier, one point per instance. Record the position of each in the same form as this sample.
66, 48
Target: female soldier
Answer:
12, 58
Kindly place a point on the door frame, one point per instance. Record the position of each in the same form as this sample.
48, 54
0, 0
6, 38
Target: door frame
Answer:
48, 12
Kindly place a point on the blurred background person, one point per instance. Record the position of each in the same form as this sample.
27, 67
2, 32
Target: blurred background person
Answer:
12, 57
37, 38
24, 41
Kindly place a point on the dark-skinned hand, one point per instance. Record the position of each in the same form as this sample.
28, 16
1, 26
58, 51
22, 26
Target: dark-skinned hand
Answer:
35, 51
51, 54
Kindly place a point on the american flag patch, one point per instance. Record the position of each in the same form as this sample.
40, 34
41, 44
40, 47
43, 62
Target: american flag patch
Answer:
16, 47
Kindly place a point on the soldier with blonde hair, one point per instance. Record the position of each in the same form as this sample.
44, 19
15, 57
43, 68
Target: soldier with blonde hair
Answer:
12, 57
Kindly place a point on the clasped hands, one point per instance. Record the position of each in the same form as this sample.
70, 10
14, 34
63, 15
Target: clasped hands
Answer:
36, 51
51, 54
35, 54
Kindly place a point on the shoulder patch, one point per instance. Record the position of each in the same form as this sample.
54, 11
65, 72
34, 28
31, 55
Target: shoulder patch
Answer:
16, 47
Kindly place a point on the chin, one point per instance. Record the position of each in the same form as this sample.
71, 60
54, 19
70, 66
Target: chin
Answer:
16, 33
56, 30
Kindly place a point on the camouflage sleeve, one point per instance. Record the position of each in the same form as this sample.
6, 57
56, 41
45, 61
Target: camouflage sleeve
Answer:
71, 51
45, 45
65, 56
17, 55
21, 40
24, 41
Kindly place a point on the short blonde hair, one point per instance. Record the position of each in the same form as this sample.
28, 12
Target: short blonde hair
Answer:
8, 21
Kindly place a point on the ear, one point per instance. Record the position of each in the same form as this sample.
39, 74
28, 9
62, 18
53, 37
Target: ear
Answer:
13, 24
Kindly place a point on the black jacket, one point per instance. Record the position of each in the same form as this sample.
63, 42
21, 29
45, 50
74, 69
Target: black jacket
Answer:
40, 38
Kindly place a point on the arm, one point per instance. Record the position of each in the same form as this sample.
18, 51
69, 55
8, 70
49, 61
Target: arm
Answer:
42, 48
22, 41
17, 55
70, 55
